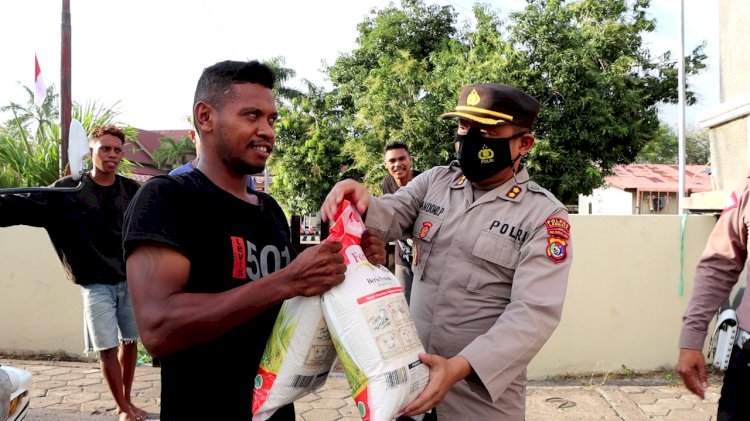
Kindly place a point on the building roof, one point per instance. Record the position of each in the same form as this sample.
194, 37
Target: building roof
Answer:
141, 151
660, 178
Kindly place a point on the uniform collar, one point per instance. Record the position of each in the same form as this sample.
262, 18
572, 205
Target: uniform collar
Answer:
512, 190
458, 181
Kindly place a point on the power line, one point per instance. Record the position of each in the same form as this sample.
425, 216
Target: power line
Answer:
211, 15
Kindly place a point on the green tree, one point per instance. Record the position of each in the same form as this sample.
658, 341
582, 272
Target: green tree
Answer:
283, 75
172, 153
663, 149
584, 60
307, 159
599, 85
30, 141
387, 88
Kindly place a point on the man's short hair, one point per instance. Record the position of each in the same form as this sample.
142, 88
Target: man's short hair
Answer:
215, 84
396, 145
109, 129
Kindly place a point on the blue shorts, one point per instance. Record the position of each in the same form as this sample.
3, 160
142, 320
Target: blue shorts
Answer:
107, 316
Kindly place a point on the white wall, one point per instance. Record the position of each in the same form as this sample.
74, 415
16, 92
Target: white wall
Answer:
40, 308
623, 305
606, 201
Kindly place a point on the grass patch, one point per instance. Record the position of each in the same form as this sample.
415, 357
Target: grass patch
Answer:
143, 356
665, 375
59, 355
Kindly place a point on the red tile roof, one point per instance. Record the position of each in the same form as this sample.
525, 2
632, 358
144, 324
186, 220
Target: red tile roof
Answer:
660, 178
141, 151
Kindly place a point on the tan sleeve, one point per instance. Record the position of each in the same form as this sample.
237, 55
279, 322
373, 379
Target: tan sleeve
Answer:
392, 215
719, 267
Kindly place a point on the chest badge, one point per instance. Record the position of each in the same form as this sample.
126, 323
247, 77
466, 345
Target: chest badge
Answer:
461, 180
513, 192
425, 229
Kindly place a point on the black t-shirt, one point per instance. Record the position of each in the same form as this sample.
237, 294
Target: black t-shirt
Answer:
229, 242
85, 226
402, 249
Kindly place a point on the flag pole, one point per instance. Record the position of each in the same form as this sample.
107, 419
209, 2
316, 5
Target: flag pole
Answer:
65, 86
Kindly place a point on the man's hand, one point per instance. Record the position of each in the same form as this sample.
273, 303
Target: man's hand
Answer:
374, 248
317, 269
692, 369
443, 375
347, 189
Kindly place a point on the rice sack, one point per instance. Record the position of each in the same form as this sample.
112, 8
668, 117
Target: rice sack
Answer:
298, 356
372, 329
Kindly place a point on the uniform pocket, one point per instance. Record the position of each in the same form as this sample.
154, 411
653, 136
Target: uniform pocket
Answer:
495, 251
500, 250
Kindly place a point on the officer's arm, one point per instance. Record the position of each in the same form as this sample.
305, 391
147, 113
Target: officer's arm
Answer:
393, 215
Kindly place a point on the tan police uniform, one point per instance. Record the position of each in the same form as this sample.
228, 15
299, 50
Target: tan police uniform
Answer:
489, 280
718, 271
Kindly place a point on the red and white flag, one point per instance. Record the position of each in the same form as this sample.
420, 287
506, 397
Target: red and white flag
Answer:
41, 91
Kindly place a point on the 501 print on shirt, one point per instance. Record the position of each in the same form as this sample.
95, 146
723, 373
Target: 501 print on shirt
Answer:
259, 263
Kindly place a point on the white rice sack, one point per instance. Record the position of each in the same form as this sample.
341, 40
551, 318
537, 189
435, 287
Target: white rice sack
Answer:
373, 332
298, 356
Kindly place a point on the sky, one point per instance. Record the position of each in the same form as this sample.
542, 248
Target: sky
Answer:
148, 55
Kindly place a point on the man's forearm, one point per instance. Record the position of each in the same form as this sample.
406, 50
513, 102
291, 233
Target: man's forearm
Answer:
186, 319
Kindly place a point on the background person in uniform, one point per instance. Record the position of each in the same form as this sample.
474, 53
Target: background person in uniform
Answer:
86, 229
207, 291
722, 261
398, 163
491, 258
190, 165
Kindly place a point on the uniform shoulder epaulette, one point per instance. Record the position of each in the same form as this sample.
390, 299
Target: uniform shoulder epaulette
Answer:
536, 188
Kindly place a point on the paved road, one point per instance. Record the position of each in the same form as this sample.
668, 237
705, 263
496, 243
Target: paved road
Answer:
64, 391
52, 415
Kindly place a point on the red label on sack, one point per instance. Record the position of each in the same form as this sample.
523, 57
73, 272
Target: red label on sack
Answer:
263, 382
362, 405
379, 294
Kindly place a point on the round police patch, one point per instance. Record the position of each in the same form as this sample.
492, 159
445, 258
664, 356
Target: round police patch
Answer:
557, 249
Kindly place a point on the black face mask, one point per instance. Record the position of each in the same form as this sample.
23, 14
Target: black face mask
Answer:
482, 157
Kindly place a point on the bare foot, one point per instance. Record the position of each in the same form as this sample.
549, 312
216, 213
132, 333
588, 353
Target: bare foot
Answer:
138, 413
127, 416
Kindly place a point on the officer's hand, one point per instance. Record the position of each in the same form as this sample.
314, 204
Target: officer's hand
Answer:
692, 369
316, 270
347, 189
374, 248
443, 375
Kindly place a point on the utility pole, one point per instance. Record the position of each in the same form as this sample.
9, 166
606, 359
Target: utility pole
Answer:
65, 86
681, 111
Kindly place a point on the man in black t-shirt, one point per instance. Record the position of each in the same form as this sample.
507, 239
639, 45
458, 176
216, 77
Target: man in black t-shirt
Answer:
398, 163
210, 261
86, 230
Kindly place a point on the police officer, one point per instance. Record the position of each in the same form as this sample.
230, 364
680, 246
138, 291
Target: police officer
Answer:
491, 258
722, 261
